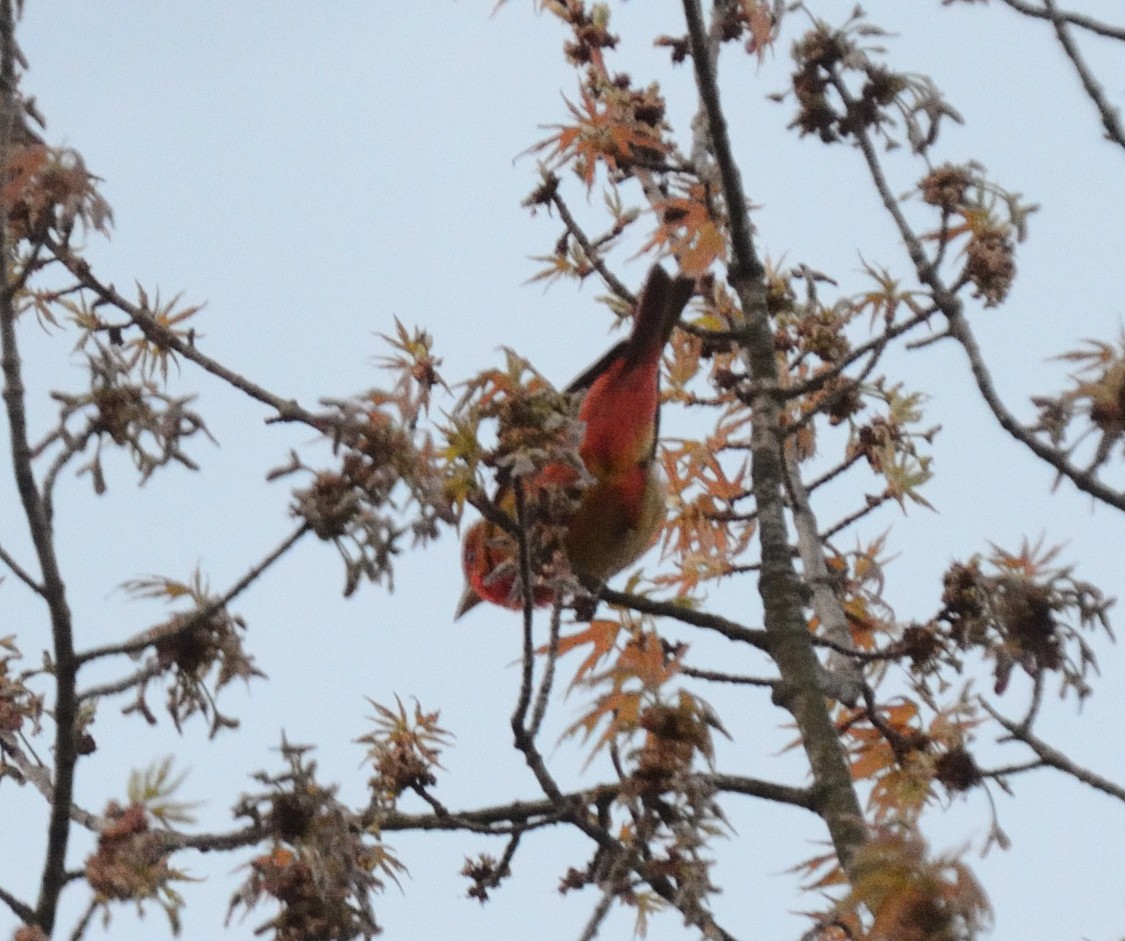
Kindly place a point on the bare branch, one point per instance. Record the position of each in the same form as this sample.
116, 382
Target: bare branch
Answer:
601, 909
951, 306
76, 445
864, 656
529, 815
780, 589
20, 572
542, 697
1066, 16
1094, 90
215, 842
527, 666
845, 674
591, 252
39, 775
873, 503
22, 911
712, 622
833, 472
1085, 481
875, 346
136, 678
84, 922
157, 333
1054, 758
202, 614
717, 676
1005, 770
38, 522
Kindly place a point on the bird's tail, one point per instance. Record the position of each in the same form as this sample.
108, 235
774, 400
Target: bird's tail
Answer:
663, 299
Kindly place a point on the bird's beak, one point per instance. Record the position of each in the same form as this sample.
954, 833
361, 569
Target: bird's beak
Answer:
469, 600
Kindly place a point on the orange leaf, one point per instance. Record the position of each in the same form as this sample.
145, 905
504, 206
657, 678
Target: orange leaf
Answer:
601, 635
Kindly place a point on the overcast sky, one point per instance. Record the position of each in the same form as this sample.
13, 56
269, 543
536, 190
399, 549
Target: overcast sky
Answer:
311, 172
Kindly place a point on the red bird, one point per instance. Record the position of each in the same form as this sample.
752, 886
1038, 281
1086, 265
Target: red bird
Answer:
619, 513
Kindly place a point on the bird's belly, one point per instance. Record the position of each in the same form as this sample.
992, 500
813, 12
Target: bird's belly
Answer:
616, 521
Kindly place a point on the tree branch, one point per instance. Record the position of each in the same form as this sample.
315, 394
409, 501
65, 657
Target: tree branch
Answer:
214, 842
201, 615
876, 345
1085, 481
780, 589
35, 772
164, 338
151, 669
951, 306
1093, 89
601, 909
20, 573
54, 589
530, 815
1066, 16
591, 252
22, 911
717, 676
746, 264
845, 677
543, 695
84, 922
666, 609
1055, 758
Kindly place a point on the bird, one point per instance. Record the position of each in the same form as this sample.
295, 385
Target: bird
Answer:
619, 513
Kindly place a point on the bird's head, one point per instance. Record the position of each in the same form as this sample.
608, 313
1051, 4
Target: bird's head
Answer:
475, 564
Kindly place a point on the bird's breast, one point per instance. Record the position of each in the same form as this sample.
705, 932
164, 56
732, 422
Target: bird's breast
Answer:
616, 521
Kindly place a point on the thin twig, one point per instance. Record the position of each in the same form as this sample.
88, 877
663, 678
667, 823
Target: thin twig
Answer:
951, 306
872, 504
1055, 758
715, 676
712, 622
1004, 770
84, 921
1066, 16
20, 573
164, 338
39, 776
865, 656
22, 911
605, 901
1093, 89
542, 697
1084, 480
504, 867
74, 444
527, 663
590, 251
202, 614
136, 678
834, 472
875, 345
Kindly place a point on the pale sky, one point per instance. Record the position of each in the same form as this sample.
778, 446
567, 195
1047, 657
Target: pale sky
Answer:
311, 172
